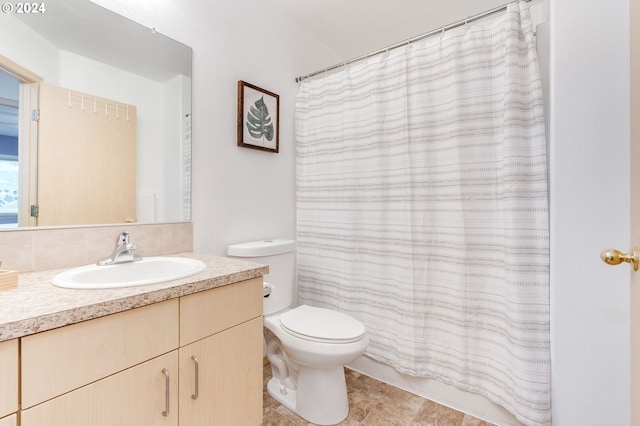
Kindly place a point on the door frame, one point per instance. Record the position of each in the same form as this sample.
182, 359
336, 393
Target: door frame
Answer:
27, 139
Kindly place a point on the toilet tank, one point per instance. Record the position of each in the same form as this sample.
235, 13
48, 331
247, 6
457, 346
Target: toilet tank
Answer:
280, 256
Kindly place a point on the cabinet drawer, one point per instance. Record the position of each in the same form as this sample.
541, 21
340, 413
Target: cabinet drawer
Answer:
136, 396
60, 360
209, 312
8, 377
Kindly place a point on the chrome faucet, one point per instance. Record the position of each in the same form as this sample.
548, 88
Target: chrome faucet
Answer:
122, 253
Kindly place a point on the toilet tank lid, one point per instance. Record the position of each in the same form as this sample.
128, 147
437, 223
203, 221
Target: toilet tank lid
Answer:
261, 248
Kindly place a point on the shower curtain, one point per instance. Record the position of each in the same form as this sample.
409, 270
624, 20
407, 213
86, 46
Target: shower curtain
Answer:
422, 208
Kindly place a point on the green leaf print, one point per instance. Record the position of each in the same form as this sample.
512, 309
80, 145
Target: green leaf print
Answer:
258, 121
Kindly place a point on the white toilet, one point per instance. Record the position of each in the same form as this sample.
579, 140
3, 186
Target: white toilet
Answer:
307, 347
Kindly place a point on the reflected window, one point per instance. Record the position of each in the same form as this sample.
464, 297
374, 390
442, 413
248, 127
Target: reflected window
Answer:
8, 192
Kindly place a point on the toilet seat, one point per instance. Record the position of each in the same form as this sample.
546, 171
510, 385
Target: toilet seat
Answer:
322, 325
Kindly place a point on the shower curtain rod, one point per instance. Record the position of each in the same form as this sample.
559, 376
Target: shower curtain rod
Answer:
412, 39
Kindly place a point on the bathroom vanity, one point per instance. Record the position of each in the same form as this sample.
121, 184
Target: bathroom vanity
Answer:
185, 352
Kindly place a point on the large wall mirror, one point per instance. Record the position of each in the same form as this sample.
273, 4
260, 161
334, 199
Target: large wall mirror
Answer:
82, 59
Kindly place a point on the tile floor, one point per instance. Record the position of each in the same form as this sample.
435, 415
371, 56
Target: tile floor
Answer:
373, 403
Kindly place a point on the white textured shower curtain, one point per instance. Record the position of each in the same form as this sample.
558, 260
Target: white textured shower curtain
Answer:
422, 208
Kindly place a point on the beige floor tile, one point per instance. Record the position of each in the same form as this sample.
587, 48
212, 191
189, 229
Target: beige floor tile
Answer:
291, 417
275, 419
434, 414
397, 408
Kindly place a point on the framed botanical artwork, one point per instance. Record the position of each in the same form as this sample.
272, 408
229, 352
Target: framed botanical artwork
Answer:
258, 118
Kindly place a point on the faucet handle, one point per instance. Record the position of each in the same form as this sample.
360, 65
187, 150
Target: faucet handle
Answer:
123, 239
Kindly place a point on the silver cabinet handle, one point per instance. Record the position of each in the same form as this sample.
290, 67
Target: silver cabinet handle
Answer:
197, 364
166, 394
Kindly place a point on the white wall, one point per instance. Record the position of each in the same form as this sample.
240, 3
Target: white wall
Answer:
589, 211
176, 105
17, 43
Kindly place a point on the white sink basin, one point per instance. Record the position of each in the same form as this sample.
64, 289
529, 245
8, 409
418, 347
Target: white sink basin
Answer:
149, 270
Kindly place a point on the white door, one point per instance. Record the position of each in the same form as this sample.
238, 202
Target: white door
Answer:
632, 256
86, 159
635, 206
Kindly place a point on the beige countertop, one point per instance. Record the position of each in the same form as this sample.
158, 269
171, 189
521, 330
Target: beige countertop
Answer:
36, 305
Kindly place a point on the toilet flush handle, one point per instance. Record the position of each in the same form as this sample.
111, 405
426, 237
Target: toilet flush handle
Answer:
267, 288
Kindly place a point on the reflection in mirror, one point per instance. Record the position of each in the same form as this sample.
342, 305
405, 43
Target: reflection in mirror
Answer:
94, 53
9, 89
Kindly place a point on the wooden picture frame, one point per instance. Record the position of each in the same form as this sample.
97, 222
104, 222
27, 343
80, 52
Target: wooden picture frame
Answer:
258, 118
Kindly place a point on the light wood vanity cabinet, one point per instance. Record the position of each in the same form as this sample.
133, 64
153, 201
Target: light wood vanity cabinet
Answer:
8, 382
138, 367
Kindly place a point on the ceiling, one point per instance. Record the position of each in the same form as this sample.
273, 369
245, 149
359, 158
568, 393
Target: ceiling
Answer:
109, 38
352, 28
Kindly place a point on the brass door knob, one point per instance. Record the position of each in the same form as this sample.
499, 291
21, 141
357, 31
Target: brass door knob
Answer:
616, 257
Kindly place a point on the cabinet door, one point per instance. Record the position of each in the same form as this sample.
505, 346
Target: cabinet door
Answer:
8, 377
100, 187
136, 396
229, 378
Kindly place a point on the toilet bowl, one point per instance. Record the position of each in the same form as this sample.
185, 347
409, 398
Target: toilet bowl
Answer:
307, 346
308, 361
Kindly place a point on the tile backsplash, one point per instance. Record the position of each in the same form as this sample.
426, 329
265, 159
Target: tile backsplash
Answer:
36, 249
